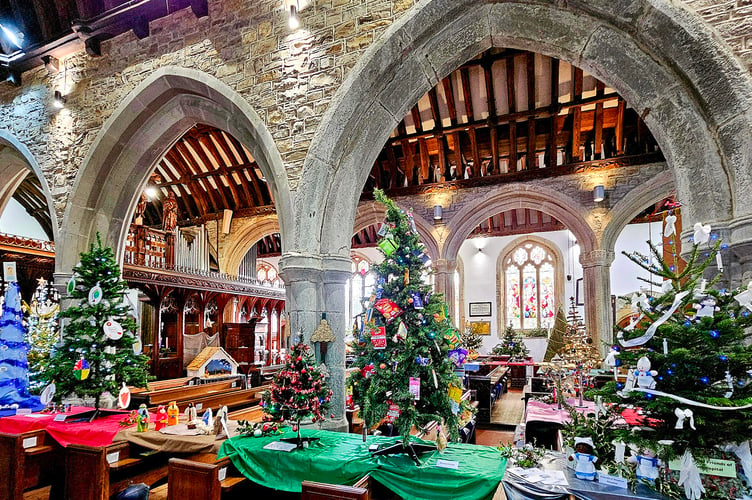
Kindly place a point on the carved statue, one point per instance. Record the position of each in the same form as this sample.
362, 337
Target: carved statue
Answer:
169, 213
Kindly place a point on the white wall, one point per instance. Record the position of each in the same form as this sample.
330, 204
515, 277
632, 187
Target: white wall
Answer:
16, 220
480, 280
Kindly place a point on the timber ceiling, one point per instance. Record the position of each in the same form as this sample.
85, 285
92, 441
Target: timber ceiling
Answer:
505, 113
31, 197
208, 171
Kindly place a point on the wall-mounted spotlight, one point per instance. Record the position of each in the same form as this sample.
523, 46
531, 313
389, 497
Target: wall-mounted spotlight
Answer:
438, 213
58, 100
151, 192
599, 193
294, 21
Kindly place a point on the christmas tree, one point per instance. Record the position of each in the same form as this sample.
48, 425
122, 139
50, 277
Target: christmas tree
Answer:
14, 374
512, 345
42, 330
470, 341
97, 350
689, 361
299, 390
578, 347
404, 372
556, 338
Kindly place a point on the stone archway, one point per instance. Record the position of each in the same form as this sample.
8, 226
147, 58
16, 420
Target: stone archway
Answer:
138, 133
246, 233
688, 86
16, 162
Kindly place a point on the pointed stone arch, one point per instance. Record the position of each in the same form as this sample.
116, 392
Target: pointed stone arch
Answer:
16, 163
662, 58
147, 123
247, 234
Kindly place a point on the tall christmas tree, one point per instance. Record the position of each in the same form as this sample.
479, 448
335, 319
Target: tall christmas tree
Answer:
97, 351
299, 390
556, 337
578, 347
405, 375
512, 345
14, 370
42, 330
689, 361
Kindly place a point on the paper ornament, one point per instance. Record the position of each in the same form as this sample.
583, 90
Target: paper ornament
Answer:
71, 285
682, 415
367, 370
406, 280
458, 356
47, 394
124, 397
414, 387
388, 246
383, 230
378, 337
137, 346
95, 295
452, 338
392, 412
81, 369
669, 227
112, 330
702, 233
745, 298
455, 393
417, 300
388, 309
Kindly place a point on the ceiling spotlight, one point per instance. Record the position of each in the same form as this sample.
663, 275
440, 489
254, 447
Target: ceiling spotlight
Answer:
438, 212
294, 21
14, 38
599, 193
58, 100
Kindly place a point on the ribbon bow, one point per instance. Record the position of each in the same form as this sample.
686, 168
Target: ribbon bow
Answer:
681, 415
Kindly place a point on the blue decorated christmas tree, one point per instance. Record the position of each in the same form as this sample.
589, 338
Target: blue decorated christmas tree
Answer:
14, 368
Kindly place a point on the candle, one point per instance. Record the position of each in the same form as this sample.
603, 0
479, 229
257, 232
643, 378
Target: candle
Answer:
665, 347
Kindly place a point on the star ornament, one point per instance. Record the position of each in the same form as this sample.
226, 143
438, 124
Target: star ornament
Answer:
745, 298
41, 282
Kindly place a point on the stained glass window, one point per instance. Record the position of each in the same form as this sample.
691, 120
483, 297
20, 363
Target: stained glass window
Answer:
529, 284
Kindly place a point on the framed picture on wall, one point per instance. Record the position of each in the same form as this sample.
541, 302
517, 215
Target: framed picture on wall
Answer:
480, 327
480, 309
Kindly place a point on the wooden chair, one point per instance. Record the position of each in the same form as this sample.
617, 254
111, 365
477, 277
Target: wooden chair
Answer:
29, 460
323, 491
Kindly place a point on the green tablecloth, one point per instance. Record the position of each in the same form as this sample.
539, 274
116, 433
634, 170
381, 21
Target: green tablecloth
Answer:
339, 458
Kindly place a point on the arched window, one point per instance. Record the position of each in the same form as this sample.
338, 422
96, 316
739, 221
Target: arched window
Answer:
362, 283
267, 272
530, 286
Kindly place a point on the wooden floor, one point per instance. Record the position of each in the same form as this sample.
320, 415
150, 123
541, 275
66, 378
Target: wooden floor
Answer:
509, 409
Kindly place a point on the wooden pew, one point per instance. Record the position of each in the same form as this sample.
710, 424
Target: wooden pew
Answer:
202, 477
98, 473
323, 491
29, 460
250, 414
183, 393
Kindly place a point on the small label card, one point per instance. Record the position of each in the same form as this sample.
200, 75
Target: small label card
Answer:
199, 406
23, 411
29, 442
112, 457
712, 467
280, 446
618, 482
60, 417
222, 474
448, 464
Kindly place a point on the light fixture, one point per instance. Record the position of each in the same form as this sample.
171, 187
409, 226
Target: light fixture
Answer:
294, 21
438, 212
58, 100
15, 38
151, 191
599, 193
51, 63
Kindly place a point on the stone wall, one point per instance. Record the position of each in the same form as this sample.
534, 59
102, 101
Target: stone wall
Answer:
288, 78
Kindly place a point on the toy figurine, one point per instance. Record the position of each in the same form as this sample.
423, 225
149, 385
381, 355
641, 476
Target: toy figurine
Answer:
584, 458
172, 413
647, 465
161, 421
644, 375
142, 423
191, 416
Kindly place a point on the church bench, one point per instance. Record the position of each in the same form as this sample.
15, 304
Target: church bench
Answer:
202, 477
231, 399
29, 460
312, 490
183, 393
100, 472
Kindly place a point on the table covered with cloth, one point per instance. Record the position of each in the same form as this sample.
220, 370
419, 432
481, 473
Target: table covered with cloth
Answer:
339, 458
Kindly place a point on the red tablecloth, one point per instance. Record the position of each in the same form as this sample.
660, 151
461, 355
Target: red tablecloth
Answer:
97, 433
542, 412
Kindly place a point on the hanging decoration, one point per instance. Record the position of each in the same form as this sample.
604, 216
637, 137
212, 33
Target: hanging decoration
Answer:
654, 327
71, 285
112, 329
702, 233
669, 227
95, 295
81, 369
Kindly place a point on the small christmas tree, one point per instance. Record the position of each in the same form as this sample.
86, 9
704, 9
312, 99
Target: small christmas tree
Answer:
42, 330
689, 358
97, 352
470, 341
512, 345
299, 390
578, 347
405, 376
556, 338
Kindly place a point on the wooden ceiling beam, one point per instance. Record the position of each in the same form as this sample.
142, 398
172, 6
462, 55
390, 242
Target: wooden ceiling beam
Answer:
425, 161
449, 94
552, 144
619, 129
433, 99
474, 150
417, 121
256, 181
409, 156
467, 94
208, 144
577, 117
490, 96
197, 191
198, 157
531, 153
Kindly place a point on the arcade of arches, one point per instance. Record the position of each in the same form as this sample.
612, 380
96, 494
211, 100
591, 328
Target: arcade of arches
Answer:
230, 160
